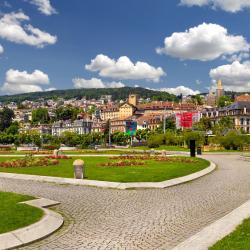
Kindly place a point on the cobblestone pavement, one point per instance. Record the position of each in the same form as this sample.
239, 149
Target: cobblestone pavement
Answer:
140, 219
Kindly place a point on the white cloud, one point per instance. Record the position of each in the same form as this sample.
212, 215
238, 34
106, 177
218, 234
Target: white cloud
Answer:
180, 90
22, 82
204, 42
50, 89
226, 5
235, 76
95, 83
44, 6
1, 49
11, 29
124, 69
237, 57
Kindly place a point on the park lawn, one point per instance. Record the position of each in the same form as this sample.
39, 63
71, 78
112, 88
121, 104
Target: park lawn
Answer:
153, 171
239, 239
162, 147
14, 215
97, 152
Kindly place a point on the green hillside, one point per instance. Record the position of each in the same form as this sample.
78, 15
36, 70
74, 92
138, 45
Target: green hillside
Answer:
117, 94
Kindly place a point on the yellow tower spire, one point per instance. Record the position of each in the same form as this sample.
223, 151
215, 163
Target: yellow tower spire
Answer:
219, 84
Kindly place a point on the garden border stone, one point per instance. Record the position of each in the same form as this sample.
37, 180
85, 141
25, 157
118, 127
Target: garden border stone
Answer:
50, 222
116, 185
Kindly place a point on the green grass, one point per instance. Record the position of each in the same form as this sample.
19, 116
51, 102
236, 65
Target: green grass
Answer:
153, 171
14, 215
108, 152
162, 147
237, 240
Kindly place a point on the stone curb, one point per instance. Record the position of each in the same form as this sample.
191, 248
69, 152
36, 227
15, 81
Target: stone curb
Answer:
217, 230
245, 158
50, 222
116, 185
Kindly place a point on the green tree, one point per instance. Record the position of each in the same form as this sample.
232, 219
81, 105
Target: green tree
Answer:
6, 116
120, 138
224, 101
40, 115
70, 139
193, 135
197, 100
12, 129
142, 134
67, 113
224, 125
204, 124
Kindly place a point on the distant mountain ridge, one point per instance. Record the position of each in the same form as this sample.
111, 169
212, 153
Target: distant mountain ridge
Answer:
117, 94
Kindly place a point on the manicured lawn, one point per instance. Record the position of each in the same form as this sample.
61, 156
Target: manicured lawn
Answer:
106, 152
14, 215
162, 147
237, 240
154, 171
78, 152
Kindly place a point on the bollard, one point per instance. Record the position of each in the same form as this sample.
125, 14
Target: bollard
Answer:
192, 148
78, 169
56, 152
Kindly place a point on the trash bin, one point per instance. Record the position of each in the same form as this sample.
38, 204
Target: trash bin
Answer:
78, 169
199, 152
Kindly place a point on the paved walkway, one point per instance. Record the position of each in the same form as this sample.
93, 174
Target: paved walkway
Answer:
140, 219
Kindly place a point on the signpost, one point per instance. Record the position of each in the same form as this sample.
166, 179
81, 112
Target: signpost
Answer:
131, 127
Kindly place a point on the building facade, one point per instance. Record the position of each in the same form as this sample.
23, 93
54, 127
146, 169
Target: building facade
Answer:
78, 126
238, 111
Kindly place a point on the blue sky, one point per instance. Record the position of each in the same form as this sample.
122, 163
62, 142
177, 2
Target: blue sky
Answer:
77, 31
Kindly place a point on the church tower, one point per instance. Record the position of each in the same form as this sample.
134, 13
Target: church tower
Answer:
219, 90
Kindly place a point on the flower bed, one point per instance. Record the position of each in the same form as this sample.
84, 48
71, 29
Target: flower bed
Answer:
29, 162
61, 157
123, 163
154, 158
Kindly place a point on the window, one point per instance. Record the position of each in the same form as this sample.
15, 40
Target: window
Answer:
242, 121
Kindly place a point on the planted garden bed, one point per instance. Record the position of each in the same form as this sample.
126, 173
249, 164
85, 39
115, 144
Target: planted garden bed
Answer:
150, 169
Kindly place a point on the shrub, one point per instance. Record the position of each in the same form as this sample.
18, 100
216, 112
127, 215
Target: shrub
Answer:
197, 136
155, 141
49, 147
234, 140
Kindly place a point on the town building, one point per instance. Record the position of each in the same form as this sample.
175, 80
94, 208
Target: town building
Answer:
238, 111
126, 110
133, 99
78, 126
213, 97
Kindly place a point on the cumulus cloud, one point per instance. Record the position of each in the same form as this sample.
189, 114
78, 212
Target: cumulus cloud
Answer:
180, 90
44, 6
124, 69
11, 29
226, 5
204, 42
95, 83
237, 57
22, 82
235, 76
1, 49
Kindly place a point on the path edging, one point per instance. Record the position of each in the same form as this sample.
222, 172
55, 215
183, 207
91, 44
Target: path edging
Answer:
215, 232
50, 222
116, 185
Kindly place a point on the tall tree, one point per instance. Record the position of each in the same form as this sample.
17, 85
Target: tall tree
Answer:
6, 116
40, 115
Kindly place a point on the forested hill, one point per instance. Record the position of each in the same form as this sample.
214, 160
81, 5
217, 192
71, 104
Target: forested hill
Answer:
117, 94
